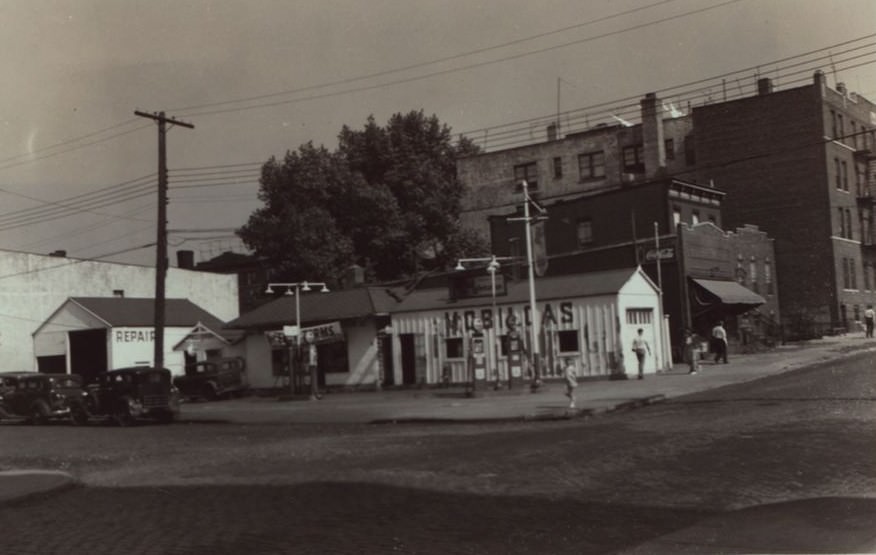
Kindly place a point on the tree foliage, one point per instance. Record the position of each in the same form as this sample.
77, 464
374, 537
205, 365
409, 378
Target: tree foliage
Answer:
387, 199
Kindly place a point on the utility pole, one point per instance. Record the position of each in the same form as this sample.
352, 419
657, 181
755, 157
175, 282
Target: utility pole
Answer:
161, 225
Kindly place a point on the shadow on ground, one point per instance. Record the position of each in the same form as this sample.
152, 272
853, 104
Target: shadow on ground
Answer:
324, 518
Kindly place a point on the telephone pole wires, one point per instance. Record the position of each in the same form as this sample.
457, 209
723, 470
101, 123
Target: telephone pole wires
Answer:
161, 226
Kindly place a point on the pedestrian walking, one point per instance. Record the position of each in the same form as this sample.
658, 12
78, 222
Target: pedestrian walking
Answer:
692, 351
719, 340
869, 315
570, 373
641, 348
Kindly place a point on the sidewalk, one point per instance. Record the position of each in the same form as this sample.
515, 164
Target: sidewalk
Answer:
549, 403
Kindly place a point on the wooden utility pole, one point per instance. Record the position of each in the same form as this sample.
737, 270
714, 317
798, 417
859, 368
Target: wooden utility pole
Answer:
161, 225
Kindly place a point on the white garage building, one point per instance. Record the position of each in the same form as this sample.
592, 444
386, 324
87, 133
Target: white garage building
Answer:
33, 286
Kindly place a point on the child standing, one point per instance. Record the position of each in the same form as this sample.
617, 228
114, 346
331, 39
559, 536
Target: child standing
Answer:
571, 375
692, 351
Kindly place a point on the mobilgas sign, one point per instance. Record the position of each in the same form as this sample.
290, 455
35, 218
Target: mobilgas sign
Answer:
551, 314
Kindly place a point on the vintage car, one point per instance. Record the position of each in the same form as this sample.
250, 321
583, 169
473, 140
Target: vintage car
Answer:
38, 398
126, 395
212, 379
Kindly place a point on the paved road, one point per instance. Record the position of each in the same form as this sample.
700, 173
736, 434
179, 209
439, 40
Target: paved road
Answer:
581, 486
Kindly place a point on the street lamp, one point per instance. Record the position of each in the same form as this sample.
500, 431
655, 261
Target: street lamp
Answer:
492, 267
296, 289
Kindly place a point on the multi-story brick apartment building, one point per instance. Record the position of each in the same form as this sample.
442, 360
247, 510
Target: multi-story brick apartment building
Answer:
799, 163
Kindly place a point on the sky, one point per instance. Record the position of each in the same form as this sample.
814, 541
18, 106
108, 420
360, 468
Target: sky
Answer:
260, 77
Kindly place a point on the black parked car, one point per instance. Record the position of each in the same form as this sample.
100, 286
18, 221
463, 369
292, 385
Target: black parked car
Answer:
127, 395
39, 398
212, 379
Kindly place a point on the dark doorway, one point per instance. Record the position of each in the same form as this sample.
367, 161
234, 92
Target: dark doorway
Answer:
88, 353
386, 360
408, 358
56, 364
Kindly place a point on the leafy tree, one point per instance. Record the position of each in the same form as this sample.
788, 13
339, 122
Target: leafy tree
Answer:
387, 198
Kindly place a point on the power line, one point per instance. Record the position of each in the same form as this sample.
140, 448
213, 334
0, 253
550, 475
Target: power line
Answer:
196, 112
401, 69
71, 262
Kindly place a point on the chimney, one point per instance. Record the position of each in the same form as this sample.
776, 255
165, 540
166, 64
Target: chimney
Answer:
59, 253
354, 276
552, 132
185, 260
764, 86
652, 135
841, 88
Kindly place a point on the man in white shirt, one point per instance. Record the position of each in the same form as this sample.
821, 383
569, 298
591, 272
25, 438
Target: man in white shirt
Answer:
868, 320
719, 339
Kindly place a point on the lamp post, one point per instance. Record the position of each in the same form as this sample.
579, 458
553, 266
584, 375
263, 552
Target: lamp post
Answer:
296, 288
492, 267
535, 349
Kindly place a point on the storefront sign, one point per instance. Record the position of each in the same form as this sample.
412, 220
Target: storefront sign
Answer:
135, 336
325, 333
455, 322
666, 253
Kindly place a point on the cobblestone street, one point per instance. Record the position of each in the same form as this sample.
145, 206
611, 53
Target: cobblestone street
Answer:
581, 486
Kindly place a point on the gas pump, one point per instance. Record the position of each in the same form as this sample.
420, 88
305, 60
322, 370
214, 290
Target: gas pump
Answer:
516, 352
478, 355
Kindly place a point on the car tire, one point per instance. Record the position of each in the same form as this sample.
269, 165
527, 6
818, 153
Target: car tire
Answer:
122, 415
39, 413
208, 392
78, 416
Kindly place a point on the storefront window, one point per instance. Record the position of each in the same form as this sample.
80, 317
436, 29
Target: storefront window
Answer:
568, 341
454, 347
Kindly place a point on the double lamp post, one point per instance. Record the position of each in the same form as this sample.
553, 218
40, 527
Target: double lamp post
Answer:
296, 288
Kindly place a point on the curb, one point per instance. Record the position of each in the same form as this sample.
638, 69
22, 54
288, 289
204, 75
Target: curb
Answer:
33, 483
560, 414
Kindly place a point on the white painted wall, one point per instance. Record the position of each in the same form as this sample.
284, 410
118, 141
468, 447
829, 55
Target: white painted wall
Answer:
258, 361
33, 286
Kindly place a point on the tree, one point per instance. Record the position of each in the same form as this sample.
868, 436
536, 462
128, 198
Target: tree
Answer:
387, 199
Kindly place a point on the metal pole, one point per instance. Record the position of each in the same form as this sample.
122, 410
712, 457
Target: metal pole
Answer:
535, 355
293, 363
659, 320
495, 321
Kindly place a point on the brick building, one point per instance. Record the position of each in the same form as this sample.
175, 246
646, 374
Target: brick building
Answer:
799, 163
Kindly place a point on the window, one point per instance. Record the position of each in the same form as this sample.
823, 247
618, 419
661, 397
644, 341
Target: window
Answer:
634, 159
529, 172
690, 157
638, 316
568, 341
866, 276
836, 167
591, 165
558, 167
849, 233
833, 124
842, 128
845, 175
669, 146
856, 310
752, 274
695, 217
585, 232
853, 274
842, 222
854, 135
453, 346
768, 275
676, 216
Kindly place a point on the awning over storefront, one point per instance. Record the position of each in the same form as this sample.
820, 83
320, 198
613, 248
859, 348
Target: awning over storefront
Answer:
727, 293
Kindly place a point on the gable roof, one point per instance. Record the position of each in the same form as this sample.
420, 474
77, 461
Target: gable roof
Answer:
319, 307
140, 312
591, 284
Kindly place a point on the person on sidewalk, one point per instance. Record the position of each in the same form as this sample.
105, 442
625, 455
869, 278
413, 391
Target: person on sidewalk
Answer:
719, 337
570, 374
641, 348
692, 351
869, 315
